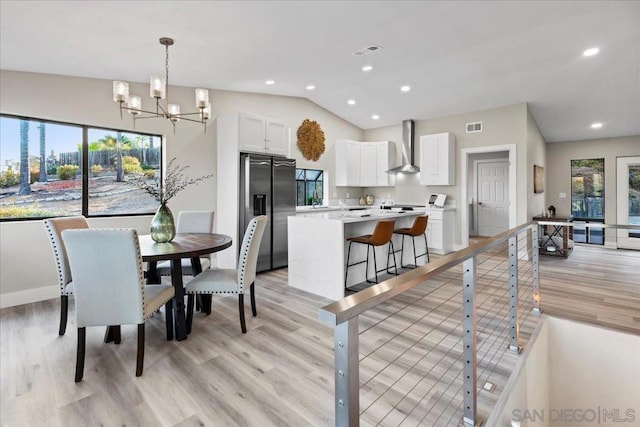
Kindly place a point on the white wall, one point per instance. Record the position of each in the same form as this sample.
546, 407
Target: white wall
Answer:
24, 244
558, 171
504, 125
572, 366
593, 367
536, 155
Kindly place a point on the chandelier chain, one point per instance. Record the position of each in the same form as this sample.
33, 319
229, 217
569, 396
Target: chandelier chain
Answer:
166, 75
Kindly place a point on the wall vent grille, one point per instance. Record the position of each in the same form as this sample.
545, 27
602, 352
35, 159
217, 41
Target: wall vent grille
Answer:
367, 50
474, 127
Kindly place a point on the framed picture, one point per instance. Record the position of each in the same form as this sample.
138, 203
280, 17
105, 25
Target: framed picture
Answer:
538, 179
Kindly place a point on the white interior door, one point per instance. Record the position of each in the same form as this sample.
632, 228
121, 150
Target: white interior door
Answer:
628, 200
493, 197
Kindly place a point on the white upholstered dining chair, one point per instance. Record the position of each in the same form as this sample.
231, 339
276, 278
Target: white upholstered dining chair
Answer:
109, 286
232, 282
190, 222
55, 227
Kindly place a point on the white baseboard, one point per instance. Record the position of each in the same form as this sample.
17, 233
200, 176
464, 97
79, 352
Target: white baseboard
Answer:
12, 299
610, 244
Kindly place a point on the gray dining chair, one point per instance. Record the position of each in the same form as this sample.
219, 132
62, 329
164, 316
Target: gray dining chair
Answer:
190, 222
109, 286
221, 281
54, 228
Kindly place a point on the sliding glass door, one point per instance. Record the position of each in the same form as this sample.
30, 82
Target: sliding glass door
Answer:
628, 200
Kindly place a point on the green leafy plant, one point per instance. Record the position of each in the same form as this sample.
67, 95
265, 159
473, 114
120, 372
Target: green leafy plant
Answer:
9, 178
174, 182
96, 169
33, 211
131, 165
65, 172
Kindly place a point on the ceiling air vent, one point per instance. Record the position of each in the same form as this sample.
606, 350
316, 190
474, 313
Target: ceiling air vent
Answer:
474, 127
366, 50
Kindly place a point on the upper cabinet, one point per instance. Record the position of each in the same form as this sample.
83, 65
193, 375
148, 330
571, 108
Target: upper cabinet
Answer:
364, 164
263, 135
438, 159
348, 163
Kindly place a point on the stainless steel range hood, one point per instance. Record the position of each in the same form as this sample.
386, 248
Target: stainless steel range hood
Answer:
407, 165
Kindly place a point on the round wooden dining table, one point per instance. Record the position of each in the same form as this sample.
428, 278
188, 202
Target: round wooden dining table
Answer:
184, 245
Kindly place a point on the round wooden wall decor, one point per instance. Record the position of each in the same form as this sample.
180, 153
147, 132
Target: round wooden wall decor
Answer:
310, 140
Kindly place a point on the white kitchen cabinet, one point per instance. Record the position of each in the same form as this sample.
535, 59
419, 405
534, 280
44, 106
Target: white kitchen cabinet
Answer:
440, 230
262, 135
386, 159
364, 164
348, 163
438, 159
368, 164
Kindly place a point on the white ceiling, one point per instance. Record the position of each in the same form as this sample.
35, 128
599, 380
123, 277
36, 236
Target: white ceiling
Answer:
457, 56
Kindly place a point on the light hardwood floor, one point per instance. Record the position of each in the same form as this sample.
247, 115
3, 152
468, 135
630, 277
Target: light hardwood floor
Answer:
281, 371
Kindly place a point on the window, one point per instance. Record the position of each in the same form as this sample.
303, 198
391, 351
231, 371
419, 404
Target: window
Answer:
309, 185
587, 198
634, 199
52, 169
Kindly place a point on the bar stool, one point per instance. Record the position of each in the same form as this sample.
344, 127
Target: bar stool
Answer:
419, 227
381, 236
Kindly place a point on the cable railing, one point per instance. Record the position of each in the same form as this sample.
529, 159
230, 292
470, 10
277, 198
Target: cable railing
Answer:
427, 347
404, 352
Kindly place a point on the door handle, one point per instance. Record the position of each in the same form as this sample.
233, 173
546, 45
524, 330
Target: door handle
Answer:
479, 203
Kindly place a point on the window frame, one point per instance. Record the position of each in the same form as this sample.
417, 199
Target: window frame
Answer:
85, 165
603, 190
584, 233
320, 174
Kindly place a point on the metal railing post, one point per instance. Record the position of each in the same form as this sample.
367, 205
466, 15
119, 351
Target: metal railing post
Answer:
347, 380
469, 342
514, 328
534, 271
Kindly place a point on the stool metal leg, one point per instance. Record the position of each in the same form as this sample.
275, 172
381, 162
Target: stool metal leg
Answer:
346, 270
392, 252
426, 245
375, 264
415, 253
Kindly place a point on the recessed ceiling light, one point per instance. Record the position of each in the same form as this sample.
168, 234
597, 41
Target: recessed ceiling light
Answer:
270, 82
367, 68
351, 102
590, 52
375, 117
310, 87
405, 88
596, 125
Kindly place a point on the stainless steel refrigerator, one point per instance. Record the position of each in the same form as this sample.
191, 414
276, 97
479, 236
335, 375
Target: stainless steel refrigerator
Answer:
268, 187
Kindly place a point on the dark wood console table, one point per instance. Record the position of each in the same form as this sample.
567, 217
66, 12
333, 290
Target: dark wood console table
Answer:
546, 233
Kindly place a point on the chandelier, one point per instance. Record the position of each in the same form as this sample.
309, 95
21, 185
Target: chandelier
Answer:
159, 89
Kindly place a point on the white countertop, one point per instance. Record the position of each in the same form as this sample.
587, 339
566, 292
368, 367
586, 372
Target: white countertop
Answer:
357, 216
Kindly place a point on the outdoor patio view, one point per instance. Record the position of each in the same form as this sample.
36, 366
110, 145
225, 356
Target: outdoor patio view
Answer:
587, 199
41, 170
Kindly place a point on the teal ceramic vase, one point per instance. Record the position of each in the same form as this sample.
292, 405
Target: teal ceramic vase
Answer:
163, 228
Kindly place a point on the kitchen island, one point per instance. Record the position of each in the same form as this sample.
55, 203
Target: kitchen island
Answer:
318, 248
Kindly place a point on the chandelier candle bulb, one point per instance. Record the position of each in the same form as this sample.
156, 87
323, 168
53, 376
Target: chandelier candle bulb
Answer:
202, 98
174, 112
135, 105
120, 91
206, 111
157, 87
